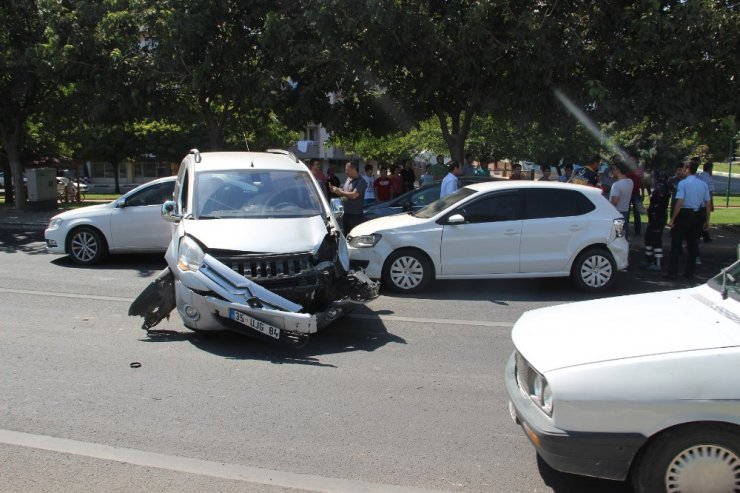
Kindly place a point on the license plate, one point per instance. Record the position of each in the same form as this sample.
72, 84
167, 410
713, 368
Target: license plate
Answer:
253, 323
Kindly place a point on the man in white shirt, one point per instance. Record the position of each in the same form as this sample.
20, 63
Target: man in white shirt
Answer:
449, 183
620, 193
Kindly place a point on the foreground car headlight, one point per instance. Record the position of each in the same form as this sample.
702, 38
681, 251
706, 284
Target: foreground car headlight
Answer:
534, 385
364, 241
190, 256
55, 222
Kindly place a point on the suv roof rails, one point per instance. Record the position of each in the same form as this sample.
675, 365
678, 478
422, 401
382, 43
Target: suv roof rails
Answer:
284, 153
196, 153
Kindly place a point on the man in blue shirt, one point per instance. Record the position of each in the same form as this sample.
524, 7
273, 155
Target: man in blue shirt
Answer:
688, 220
449, 184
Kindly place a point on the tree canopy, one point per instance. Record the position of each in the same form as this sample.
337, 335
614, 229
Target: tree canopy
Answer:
541, 80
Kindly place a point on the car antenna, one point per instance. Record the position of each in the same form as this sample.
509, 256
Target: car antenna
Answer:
246, 143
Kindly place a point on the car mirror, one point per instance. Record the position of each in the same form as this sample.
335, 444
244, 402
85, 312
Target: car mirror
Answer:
407, 207
455, 219
337, 208
169, 213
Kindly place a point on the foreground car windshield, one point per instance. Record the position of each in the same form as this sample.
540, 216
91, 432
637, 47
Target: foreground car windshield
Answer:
727, 281
255, 193
439, 205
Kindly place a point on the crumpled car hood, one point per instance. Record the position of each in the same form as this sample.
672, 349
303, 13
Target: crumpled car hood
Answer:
627, 327
280, 235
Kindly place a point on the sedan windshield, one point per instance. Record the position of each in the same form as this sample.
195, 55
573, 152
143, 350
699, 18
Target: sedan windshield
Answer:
727, 281
251, 193
445, 202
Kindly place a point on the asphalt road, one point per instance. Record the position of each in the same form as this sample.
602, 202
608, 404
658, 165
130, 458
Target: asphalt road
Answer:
404, 395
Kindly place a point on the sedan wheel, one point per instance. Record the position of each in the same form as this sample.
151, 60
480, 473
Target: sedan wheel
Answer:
86, 246
693, 461
407, 271
594, 270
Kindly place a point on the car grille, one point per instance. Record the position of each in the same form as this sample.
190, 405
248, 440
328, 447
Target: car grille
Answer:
282, 268
525, 375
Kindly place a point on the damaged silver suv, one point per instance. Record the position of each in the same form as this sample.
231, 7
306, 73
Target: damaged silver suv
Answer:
256, 248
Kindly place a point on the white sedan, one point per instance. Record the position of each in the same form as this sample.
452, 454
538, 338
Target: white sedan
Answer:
131, 223
491, 230
644, 386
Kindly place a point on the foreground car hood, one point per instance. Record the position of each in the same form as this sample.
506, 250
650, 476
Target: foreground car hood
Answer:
259, 235
627, 327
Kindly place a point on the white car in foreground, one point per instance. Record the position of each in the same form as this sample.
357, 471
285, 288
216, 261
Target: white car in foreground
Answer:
130, 224
492, 230
644, 386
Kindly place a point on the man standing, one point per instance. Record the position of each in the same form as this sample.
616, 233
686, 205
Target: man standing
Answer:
620, 194
706, 177
468, 169
589, 174
687, 221
352, 195
370, 185
383, 186
516, 172
657, 214
315, 166
449, 184
439, 170
567, 173
545, 172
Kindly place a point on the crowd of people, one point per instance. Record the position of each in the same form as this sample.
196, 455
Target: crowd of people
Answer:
682, 202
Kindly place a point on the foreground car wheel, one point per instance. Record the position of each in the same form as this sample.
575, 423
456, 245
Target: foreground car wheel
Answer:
594, 270
86, 246
407, 271
694, 460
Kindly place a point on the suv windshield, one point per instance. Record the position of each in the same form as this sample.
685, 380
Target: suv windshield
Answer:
441, 204
253, 193
727, 281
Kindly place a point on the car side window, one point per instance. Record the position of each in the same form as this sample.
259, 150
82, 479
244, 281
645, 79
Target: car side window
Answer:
545, 203
426, 196
153, 195
495, 207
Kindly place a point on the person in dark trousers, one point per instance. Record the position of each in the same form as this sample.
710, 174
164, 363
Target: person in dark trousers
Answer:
687, 222
352, 195
657, 214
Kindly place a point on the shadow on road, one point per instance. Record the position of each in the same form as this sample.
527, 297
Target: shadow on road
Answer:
146, 264
570, 483
21, 241
346, 335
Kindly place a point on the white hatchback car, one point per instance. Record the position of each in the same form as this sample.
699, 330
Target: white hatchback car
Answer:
130, 224
501, 229
645, 386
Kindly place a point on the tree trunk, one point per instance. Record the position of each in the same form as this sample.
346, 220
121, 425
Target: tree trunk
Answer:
11, 141
115, 164
455, 132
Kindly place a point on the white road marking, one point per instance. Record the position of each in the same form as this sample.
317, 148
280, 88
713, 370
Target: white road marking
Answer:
390, 318
201, 467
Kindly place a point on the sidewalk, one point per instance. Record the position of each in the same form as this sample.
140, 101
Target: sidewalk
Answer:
29, 220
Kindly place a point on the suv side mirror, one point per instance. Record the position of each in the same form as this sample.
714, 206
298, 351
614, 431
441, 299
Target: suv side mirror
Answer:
169, 213
337, 208
456, 219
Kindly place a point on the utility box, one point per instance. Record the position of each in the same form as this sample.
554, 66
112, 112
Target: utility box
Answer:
42, 189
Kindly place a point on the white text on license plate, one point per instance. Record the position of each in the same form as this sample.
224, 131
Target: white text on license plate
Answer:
253, 323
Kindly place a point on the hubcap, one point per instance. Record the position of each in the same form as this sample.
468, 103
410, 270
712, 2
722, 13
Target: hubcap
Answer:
596, 271
703, 469
406, 272
84, 246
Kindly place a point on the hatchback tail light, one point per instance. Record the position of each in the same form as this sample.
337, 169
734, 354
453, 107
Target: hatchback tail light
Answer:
619, 227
